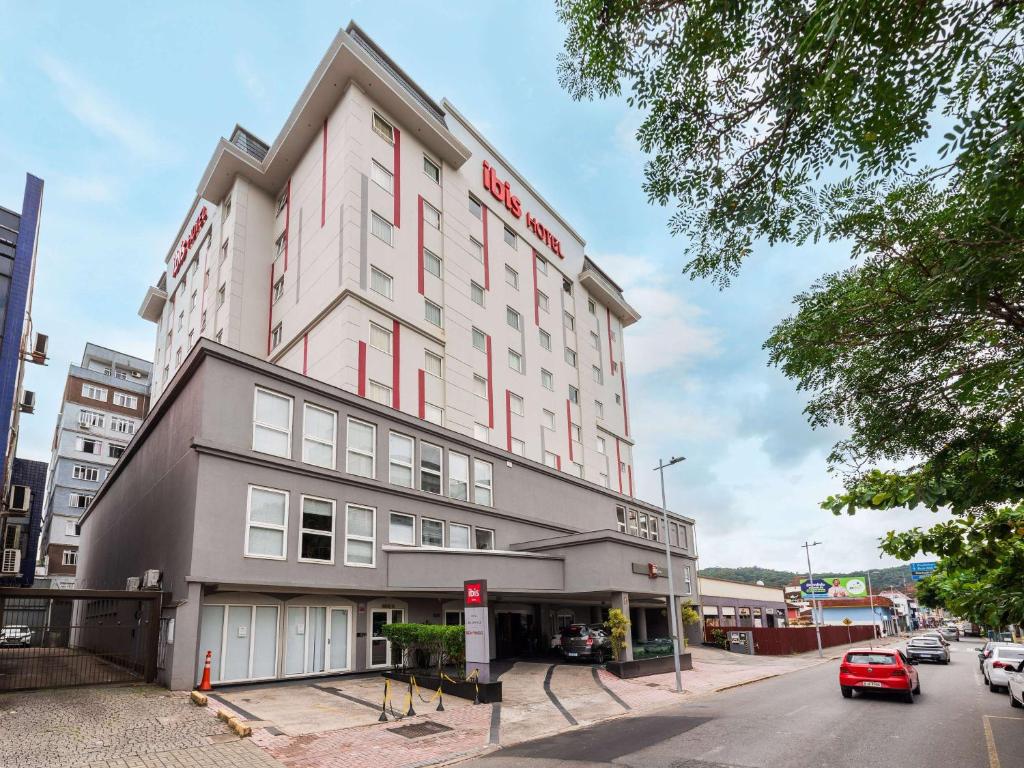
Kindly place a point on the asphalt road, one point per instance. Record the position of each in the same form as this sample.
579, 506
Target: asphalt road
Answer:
799, 720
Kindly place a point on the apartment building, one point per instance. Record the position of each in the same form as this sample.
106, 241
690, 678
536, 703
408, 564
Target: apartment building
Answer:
382, 245
19, 510
105, 399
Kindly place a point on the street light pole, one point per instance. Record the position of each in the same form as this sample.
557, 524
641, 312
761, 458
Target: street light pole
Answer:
673, 608
814, 603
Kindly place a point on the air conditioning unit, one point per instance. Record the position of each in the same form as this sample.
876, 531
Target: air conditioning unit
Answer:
28, 401
20, 499
132, 583
40, 346
85, 425
11, 562
151, 579
136, 374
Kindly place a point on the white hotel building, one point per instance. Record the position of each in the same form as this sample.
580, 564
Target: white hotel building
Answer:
380, 244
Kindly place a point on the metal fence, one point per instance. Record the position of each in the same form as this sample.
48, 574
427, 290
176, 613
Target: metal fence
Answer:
66, 637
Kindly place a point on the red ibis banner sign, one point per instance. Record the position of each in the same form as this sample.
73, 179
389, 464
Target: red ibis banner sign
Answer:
181, 255
502, 192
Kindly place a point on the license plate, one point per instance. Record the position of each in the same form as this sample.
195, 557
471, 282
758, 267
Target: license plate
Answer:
571, 653
871, 685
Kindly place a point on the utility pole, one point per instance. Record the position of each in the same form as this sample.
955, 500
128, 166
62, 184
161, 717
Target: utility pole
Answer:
674, 609
871, 599
814, 603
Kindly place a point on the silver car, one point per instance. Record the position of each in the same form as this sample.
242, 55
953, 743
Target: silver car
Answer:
927, 649
16, 634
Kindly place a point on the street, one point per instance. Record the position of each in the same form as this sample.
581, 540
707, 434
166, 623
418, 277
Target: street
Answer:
799, 720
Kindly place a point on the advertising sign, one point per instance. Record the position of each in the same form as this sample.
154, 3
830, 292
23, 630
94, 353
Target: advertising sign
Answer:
919, 571
834, 587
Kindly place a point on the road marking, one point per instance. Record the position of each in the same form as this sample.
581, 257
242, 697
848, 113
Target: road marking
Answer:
558, 705
990, 742
802, 706
1003, 717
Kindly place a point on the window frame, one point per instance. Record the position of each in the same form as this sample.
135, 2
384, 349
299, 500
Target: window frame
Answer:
428, 355
511, 313
390, 282
303, 530
547, 379
489, 485
388, 176
291, 418
477, 529
372, 454
412, 460
427, 256
377, 218
357, 537
393, 514
430, 472
427, 303
469, 535
91, 391
544, 338
307, 438
432, 170
476, 333
389, 137
475, 289
83, 472
511, 277
428, 220
127, 400
423, 520
381, 331
514, 398
510, 237
283, 527
465, 482
517, 358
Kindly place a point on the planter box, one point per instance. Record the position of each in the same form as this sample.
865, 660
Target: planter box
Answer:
642, 667
490, 693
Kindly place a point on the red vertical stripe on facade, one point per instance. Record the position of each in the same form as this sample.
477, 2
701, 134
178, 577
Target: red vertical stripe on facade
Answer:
270, 310
287, 222
487, 264
396, 366
536, 301
618, 462
398, 181
305, 354
323, 182
625, 402
568, 426
629, 471
508, 421
490, 387
558, 462
362, 369
423, 394
419, 243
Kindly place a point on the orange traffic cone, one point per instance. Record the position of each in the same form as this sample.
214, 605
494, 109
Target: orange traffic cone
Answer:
204, 685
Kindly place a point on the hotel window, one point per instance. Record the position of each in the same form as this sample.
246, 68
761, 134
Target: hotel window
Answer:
202, 321
380, 282
513, 318
458, 476
319, 435
361, 448
380, 338
510, 236
476, 248
88, 446
221, 295
551, 459
93, 392
177, 357
479, 340
381, 228
193, 300
515, 404
458, 536
360, 536
542, 265
574, 394
278, 289
542, 301
615, 368
570, 321
575, 433
644, 530
125, 400
547, 380
431, 262
383, 128
379, 393
567, 286
620, 516
591, 307
281, 240
115, 451
687, 581
634, 526
654, 527
598, 374
518, 447
316, 530
479, 386
382, 177
515, 361
69, 557
483, 538
433, 364
618, 399
483, 482
432, 170
476, 293
181, 319
282, 201
272, 423
549, 420
577, 469
570, 357
430, 468
400, 457
224, 250
432, 313
124, 426
266, 528
595, 340
434, 414
545, 339
481, 432
81, 472
402, 529
431, 532
511, 277
599, 409
275, 336
191, 339
431, 216
226, 206
476, 207
602, 447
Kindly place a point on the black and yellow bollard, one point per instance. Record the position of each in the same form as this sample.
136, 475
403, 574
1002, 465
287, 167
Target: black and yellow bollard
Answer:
412, 682
440, 697
384, 703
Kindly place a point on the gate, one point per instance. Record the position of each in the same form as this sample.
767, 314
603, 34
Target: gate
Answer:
57, 638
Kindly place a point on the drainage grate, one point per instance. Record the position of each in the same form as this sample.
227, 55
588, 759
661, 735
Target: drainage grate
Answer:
416, 730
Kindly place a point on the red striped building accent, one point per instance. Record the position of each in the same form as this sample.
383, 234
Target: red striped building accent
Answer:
362, 369
396, 367
625, 401
270, 310
419, 243
490, 386
508, 421
629, 471
558, 462
536, 298
305, 353
323, 182
287, 222
568, 425
423, 393
618, 463
398, 181
487, 263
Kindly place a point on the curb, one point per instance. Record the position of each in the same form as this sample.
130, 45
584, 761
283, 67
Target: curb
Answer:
199, 699
749, 682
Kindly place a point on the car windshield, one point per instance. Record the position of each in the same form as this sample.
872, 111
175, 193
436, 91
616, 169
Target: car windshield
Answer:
575, 630
1009, 653
878, 659
924, 641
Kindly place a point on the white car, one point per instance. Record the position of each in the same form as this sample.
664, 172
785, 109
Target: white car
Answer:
16, 634
1015, 686
996, 669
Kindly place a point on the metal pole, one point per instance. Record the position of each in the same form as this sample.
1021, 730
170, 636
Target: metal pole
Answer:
871, 599
674, 609
814, 603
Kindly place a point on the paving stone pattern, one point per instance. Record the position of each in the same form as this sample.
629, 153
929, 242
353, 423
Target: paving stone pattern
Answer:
134, 726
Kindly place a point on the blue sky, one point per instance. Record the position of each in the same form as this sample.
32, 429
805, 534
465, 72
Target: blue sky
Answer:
118, 106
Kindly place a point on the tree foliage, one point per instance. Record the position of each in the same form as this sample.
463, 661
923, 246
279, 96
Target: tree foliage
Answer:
618, 627
434, 642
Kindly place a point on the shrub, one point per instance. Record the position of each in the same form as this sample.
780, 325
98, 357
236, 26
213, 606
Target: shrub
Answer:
444, 644
618, 626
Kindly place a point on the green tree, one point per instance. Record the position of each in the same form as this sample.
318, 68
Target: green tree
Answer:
618, 627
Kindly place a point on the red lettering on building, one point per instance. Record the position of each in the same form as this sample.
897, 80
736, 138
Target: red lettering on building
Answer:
188, 241
502, 192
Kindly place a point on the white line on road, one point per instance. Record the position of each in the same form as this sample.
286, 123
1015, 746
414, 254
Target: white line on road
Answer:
802, 706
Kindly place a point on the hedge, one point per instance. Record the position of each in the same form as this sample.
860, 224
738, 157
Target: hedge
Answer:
444, 644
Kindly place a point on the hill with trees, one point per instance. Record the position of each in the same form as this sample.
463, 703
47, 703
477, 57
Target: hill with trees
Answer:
881, 578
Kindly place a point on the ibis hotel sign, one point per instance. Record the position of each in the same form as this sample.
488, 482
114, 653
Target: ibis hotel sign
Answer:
502, 192
181, 254
477, 628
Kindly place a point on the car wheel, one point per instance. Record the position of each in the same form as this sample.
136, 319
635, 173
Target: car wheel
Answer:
945, 661
599, 657
917, 688
993, 687
1014, 703
847, 691
909, 697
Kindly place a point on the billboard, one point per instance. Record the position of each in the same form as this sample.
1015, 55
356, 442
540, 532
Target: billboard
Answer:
833, 587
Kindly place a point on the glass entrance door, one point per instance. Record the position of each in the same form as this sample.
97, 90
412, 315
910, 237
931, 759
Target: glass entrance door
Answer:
337, 641
306, 642
380, 646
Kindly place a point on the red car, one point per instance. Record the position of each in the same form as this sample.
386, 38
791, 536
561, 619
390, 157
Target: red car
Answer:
878, 669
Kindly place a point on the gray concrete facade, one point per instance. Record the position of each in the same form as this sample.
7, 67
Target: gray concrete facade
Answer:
180, 499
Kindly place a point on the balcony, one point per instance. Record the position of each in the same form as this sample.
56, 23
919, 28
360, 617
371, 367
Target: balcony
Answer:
601, 287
